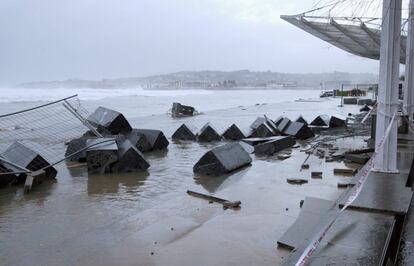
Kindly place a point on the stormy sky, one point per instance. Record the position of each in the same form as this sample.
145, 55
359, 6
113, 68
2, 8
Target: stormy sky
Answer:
97, 39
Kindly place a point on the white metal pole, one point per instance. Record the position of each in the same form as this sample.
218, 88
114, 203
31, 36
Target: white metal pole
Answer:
386, 161
409, 65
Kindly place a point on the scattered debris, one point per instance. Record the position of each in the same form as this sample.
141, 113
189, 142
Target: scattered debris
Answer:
366, 108
350, 100
316, 174
283, 156
296, 181
222, 159
342, 185
344, 171
365, 102
226, 203
358, 158
305, 166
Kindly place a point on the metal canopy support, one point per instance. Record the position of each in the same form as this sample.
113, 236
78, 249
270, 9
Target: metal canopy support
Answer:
386, 161
409, 65
349, 35
371, 34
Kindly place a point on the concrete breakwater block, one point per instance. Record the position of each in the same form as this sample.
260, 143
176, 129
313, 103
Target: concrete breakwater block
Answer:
101, 154
5, 177
335, 121
283, 124
275, 145
207, 134
139, 140
179, 110
300, 119
130, 159
23, 156
223, 159
76, 149
350, 100
299, 130
321, 120
110, 120
256, 123
233, 133
365, 102
255, 141
263, 127
184, 132
156, 138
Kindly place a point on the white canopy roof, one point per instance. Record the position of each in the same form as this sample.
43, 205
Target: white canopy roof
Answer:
351, 35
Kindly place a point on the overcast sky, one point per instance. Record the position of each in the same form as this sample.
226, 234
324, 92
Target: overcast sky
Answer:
96, 39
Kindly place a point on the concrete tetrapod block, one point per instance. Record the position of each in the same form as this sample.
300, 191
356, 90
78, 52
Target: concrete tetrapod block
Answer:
233, 133
139, 140
223, 159
284, 124
309, 217
299, 130
336, 122
101, 154
77, 148
256, 123
23, 156
179, 110
207, 134
184, 132
365, 109
255, 141
321, 120
110, 120
263, 131
156, 138
130, 159
275, 145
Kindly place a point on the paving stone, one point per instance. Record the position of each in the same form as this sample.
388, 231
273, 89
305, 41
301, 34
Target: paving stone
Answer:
111, 120
223, 159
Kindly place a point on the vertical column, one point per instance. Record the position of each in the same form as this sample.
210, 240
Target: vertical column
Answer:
409, 65
386, 161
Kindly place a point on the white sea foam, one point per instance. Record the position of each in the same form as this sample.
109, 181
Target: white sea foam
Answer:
39, 94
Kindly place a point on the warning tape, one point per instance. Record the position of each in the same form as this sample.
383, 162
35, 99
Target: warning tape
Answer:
361, 176
369, 113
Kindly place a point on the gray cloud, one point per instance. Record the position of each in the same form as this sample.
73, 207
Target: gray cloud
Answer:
95, 39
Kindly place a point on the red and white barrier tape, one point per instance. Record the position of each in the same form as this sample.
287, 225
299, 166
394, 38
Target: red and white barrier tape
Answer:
362, 176
369, 113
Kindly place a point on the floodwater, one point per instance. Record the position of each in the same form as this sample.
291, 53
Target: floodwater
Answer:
147, 218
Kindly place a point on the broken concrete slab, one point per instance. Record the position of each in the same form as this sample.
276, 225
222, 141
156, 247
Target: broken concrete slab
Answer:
223, 159
300, 119
208, 134
226, 203
358, 158
366, 108
139, 139
309, 217
184, 132
382, 192
233, 133
130, 159
335, 121
76, 149
321, 121
256, 141
274, 145
156, 138
111, 120
6, 178
179, 110
344, 171
256, 123
101, 154
33, 179
357, 237
316, 174
23, 156
299, 130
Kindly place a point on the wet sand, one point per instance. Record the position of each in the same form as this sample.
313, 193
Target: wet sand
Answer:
148, 219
